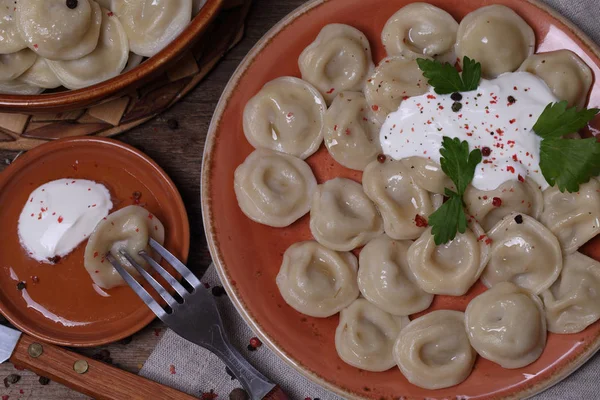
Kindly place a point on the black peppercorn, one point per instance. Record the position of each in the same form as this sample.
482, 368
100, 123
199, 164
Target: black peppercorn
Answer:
486, 151
456, 106
238, 394
13, 378
44, 381
72, 4
511, 100
456, 96
21, 285
519, 219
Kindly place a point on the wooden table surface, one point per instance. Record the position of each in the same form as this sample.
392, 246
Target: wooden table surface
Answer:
179, 152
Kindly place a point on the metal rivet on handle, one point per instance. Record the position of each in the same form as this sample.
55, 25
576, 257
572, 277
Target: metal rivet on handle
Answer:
35, 350
81, 366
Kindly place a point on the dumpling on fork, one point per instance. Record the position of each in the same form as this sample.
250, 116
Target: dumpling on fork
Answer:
128, 229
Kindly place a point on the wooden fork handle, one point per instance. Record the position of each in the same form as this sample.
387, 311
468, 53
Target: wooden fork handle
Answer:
101, 381
276, 394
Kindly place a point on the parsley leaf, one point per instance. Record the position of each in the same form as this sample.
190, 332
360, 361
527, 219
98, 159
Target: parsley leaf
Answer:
568, 163
460, 166
446, 79
557, 120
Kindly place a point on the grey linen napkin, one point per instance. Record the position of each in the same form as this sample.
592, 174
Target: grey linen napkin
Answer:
189, 368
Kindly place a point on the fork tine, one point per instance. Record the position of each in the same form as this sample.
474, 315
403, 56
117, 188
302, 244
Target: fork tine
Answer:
155, 285
178, 265
137, 288
166, 275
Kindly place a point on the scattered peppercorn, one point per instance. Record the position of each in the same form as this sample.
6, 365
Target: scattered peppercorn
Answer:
44, 381
381, 158
21, 285
13, 378
456, 106
456, 96
519, 219
496, 201
255, 342
55, 259
172, 124
72, 4
486, 151
218, 291
251, 348
511, 100
238, 394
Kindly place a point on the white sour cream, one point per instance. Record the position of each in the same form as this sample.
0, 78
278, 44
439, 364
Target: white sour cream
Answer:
61, 214
487, 119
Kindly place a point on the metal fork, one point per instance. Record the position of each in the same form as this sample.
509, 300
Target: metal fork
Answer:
194, 317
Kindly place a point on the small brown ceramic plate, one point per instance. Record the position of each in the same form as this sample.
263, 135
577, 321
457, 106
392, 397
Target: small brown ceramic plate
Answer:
61, 305
248, 255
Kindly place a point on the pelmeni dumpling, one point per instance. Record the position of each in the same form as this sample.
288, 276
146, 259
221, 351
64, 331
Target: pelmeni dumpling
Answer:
507, 325
342, 217
40, 74
428, 174
523, 252
365, 336
19, 87
106, 61
127, 229
497, 37
402, 204
573, 217
489, 207
351, 131
565, 73
317, 281
10, 39
433, 351
420, 29
338, 60
385, 279
14, 65
152, 24
450, 268
394, 79
273, 188
58, 32
287, 116
572, 303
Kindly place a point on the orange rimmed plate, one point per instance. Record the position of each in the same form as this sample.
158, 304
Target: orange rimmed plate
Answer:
248, 255
63, 307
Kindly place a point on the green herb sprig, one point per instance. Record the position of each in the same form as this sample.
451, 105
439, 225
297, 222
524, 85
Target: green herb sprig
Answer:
446, 79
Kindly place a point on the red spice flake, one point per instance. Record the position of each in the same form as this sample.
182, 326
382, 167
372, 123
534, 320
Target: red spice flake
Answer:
137, 229
110, 14
428, 122
381, 158
255, 342
233, 283
486, 151
347, 132
420, 221
290, 115
60, 219
515, 88
32, 214
510, 143
335, 127
157, 331
75, 167
430, 96
510, 169
515, 158
209, 395
93, 205
480, 238
5, 397
95, 254
150, 216
31, 200
155, 227
496, 201
488, 241
35, 279
405, 98
485, 197
459, 115
96, 271
330, 90
35, 46
499, 131
441, 107
21, 391
172, 369
521, 179
512, 121
19, 368
493, 102
375, 107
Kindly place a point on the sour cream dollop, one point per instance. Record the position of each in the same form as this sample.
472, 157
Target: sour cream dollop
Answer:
499, 115
61, 214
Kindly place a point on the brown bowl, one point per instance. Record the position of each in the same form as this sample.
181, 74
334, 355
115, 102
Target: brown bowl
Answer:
115, 87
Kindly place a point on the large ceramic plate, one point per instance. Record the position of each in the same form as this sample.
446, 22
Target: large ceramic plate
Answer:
248, 255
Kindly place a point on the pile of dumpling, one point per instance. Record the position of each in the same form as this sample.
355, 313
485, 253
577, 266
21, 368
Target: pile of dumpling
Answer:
45, 44
521, 242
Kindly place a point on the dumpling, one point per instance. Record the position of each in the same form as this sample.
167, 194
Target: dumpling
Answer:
365, 336
489, 207
433, 351
523, 252
572, 302
10, 39
394, 79
106, 61
287, 116
351, 131
385, 279
450, 268
317, 281
573, 217
273, 188
420, 29
565, 73
56, 31
403, 205
338, 60
127, 229
497, 37
18, 87
40, 74
507, 325
342, 217
152, 24
428, 174
14, 65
